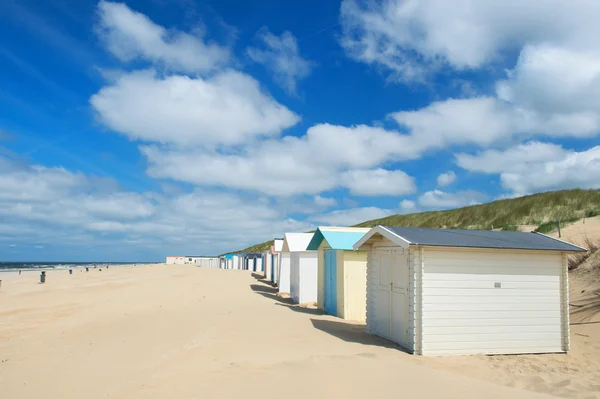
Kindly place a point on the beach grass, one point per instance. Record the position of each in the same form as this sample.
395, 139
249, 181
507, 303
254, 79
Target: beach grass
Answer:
542, 210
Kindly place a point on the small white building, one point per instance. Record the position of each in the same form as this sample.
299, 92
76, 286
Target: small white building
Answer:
268, 264
175, 260
458, 292
302, 267
276, 250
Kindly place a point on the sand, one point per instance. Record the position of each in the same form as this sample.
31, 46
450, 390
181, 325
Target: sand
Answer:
184, 332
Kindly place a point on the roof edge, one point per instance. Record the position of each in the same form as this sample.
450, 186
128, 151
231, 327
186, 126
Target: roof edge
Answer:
382, 230
580, 249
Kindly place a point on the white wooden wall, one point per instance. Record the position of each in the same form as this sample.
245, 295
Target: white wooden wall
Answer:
304, 276
493, 302
372, 282
283, 279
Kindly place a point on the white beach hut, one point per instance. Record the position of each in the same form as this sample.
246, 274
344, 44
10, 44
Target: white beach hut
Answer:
457, 292
302, 268
237, 262
268, 263
276, 251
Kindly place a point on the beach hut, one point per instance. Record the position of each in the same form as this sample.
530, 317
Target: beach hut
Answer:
302, 268
175, 260
229, 261
458, 292
268, 263
237, 262
276, 251
342, 272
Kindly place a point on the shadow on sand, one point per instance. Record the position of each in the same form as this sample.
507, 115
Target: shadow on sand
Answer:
271, 293
584, 310
356, 333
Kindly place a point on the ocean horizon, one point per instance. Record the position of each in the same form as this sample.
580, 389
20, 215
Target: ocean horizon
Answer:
6, 266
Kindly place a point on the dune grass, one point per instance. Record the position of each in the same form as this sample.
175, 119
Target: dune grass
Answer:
541, 210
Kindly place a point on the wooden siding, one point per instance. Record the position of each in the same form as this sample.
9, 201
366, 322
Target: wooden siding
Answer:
354, 273
303, 277
321, 275
283, 277
379, 245
464, 312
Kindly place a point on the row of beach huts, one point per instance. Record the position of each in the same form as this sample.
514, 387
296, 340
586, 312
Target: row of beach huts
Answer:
432, 291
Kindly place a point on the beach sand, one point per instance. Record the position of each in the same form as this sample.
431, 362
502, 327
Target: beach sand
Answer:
180, 331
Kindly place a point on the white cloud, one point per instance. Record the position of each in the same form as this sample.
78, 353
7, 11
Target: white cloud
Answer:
78, 215
486, 120
130, 35
437, 199
349, 217
411, 38
408, 205
536, 166
292, 165
550, 91
281, 56
378, 182
446, 179
324, 201
515, 159
552, 80
228, 108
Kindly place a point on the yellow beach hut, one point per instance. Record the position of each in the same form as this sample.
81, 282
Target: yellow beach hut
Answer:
342, 272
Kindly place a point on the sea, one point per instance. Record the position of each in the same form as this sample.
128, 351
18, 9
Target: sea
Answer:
11, 266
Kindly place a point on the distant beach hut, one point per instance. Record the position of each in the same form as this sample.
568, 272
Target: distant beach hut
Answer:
342, 272
237, 262
302, 268
229, 261
175, 260
459, 292
276, 251
268, 264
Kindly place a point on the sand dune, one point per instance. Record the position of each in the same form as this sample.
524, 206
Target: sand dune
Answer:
186, 332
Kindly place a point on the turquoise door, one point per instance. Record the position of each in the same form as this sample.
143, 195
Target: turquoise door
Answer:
273, 267
330, 286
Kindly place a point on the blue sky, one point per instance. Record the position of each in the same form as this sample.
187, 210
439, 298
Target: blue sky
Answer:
131, 131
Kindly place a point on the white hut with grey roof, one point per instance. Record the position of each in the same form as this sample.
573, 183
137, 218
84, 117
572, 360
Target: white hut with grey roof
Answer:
458, 292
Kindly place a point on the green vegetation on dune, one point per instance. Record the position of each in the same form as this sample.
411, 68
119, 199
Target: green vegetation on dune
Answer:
540, 210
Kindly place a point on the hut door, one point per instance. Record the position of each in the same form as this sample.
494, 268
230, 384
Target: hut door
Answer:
392, 295
399, 297
330, 287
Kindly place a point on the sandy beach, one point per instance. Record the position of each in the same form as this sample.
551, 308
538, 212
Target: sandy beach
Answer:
187, 332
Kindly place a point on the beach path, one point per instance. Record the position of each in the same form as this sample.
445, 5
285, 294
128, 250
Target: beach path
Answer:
186, 332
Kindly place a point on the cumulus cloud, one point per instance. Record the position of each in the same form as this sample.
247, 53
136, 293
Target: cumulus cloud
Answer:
486, 120
438, 199
292, 165
408, 205
228, 108
324, 201
412, 38
378, 182
446, 179
550, 91
280, 55
73, 213
130, 35
537, 166
349, 217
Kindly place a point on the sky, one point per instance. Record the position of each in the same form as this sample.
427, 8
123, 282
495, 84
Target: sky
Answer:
131, 131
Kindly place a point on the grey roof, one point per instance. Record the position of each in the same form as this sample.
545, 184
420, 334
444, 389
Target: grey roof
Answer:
482, 239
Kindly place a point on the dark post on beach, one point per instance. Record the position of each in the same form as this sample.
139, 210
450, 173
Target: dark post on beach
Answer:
87, 269
70, 271
43, 277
